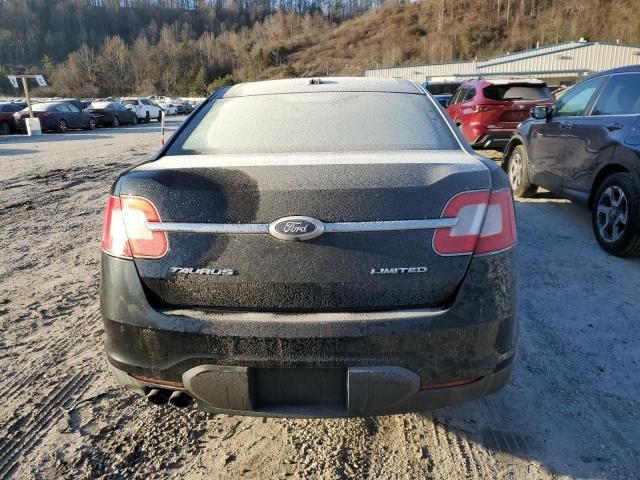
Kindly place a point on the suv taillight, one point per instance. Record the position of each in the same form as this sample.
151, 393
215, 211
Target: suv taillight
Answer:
486, 224
482, 108
126, 234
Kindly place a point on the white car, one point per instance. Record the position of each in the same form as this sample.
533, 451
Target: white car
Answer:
145, 109
169, 108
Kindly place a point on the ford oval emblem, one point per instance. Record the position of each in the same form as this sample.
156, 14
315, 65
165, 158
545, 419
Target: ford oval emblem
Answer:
296, 228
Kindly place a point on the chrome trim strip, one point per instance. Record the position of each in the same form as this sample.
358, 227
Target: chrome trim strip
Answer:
228, 228
340, 227
389, 225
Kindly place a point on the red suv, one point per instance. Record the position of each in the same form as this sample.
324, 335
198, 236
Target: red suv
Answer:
488, 111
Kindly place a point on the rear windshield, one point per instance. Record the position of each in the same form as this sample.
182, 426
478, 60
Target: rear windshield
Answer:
316, 122
130, 102
517, 92
441, 88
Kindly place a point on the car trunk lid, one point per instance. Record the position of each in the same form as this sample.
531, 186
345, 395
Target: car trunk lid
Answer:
338, 270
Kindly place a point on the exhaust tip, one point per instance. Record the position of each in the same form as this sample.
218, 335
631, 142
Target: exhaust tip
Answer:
158, 396
179, 399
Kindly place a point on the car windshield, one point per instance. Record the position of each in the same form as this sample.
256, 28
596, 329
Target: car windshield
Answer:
320, 122
517, 92
130, 102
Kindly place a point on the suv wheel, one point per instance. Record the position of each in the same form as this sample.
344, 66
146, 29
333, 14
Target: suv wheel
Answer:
147, 118
616, 215
517, 168
159, 116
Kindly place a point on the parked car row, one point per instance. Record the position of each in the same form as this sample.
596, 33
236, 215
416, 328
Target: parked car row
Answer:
581, 143
56, 116
66, 114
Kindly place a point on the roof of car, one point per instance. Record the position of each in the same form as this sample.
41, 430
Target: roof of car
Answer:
323, 84
101, 104
505, 81
628, 69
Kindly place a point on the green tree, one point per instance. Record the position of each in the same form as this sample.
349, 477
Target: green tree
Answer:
199, 83
221, 82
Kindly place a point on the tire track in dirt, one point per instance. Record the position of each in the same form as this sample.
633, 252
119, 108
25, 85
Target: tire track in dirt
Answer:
54, 348
25, 432
450, 451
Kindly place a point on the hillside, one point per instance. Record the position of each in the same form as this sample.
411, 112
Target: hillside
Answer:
188, 55
439, 31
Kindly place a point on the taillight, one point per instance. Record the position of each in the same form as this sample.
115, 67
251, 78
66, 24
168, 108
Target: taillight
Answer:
486, 224
126, 234
482, 108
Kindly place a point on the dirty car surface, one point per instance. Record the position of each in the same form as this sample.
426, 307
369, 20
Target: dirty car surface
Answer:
313, 247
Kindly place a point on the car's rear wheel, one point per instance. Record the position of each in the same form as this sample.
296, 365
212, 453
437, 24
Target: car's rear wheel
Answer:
62, 126
159, 116
517, 168
92, 124
5, 128
147, 118
135, 120
115, 122
616, 215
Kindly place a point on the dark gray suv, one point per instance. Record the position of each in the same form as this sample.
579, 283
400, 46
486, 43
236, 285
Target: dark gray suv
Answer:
587, 148
312, 247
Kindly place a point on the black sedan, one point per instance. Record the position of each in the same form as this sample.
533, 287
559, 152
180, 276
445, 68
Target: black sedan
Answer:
112, 114
587, 148
57, 116
312, 247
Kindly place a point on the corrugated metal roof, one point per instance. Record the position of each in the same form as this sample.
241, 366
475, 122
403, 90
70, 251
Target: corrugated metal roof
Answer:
563, 59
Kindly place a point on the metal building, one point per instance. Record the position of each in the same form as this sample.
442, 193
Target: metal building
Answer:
560, 63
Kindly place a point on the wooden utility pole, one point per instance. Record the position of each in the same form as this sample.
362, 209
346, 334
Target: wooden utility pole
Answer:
39, 78
26, 93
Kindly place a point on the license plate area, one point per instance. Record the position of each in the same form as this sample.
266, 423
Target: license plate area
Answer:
299, 387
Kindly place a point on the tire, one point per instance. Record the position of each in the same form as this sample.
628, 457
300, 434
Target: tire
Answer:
135, 120
92, 124
159, 119
616, 215
5, 128
517, 169
115, 123
147, 119
62, 126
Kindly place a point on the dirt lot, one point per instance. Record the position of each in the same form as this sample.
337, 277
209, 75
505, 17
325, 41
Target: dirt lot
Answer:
571, 410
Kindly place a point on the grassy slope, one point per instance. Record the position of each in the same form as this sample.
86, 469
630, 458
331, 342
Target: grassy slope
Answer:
423, 32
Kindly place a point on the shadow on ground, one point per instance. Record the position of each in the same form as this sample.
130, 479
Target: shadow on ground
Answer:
572, 404
16, 151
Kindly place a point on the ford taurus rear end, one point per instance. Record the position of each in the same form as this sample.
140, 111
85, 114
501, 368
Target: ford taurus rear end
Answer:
312, 248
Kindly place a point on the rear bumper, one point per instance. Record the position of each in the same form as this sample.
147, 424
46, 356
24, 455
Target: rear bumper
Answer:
493, 139
359, 363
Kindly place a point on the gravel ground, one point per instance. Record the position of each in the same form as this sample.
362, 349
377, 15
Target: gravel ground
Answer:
571, 409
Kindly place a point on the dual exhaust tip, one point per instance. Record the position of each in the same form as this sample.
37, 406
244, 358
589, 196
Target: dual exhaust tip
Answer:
176, 398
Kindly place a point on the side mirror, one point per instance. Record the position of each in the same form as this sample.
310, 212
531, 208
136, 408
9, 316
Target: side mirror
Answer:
540, 112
